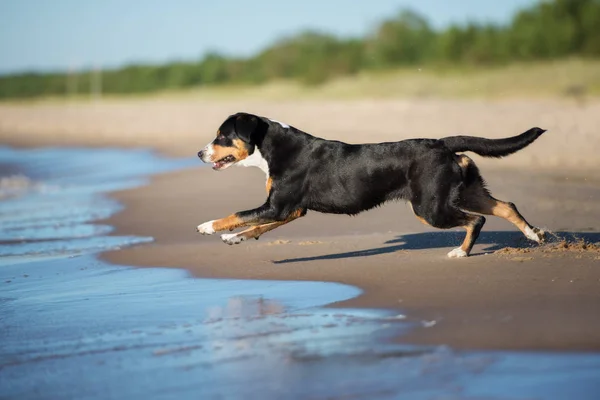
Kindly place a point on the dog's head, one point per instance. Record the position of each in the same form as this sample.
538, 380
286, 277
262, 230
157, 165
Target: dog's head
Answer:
235, 141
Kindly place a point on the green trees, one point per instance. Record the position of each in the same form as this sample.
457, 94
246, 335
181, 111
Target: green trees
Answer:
556, 29
404, 40
547, 30
310, 57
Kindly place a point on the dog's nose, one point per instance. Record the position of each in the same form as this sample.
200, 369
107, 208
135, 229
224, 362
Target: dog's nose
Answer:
201, 154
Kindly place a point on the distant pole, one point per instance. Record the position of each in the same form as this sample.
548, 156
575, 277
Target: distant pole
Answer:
72, 81
96, 83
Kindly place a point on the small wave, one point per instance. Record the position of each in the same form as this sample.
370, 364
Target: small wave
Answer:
51, 198
17, 185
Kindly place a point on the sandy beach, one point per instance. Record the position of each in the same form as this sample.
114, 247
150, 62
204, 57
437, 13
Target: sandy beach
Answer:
524, 298
180, 125
337, 301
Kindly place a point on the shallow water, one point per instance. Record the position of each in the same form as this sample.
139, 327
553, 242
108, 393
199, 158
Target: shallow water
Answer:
72, 326
49, 198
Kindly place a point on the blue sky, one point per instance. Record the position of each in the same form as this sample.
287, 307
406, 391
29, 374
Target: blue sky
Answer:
58, 34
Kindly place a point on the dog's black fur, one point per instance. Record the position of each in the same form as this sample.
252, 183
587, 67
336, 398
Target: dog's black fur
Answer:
310, 173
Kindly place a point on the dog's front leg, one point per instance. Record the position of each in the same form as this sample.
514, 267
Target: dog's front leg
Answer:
256, 231
264, 214
228, 223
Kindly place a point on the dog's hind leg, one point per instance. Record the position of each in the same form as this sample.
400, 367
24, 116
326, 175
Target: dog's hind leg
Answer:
449, 216
473, 228
509, 212
477, 199
256, 231
437, 205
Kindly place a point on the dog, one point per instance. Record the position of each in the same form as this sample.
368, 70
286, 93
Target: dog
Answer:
304, 172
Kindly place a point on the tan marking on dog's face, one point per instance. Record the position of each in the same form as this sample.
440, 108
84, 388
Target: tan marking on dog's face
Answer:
269, 184
228, 223
220, 152
238, 151
241, 149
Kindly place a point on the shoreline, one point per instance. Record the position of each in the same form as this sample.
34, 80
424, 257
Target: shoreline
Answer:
512, 301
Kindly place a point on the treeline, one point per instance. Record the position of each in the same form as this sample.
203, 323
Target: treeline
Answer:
548, 30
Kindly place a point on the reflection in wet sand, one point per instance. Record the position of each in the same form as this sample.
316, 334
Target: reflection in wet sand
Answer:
239, 307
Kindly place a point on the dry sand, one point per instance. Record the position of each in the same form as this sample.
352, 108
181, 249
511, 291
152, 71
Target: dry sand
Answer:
505, 300
180, 126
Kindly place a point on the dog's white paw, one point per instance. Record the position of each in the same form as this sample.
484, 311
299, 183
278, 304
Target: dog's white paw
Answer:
536, 234
457, 253
206, 228
232, 238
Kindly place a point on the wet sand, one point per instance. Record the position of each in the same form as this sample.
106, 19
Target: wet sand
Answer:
528, 298
536, 300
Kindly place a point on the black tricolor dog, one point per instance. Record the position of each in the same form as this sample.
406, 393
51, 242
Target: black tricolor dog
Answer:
305, 172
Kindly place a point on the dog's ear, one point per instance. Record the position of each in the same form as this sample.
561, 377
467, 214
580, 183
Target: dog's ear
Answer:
245, 126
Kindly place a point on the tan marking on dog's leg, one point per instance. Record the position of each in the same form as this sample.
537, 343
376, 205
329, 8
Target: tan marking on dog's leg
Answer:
476, 199
256, 231
473, 229
467, 243
504, 210
509, 212
228, 223
486, 204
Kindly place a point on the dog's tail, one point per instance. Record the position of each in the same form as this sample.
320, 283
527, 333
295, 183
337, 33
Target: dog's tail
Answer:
492, 147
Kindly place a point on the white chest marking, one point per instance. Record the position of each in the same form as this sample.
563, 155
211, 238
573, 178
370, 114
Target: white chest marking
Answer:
256, 160
280, 123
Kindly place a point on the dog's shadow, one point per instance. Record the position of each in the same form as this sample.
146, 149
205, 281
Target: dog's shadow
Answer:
495, 240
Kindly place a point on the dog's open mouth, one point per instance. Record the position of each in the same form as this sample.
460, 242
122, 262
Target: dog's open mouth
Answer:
223, 163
